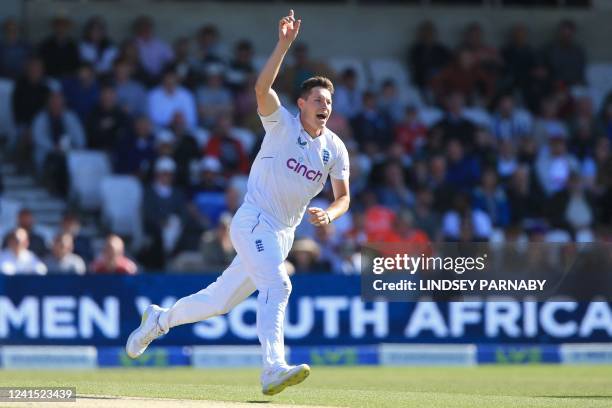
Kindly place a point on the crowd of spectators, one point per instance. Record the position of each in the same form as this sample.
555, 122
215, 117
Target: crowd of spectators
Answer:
501, 144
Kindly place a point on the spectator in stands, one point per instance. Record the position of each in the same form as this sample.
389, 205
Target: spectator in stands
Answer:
164, 142
62, 259
227, 149
329, 245
463, 76
14, 51
135, 151
183, 62
216, 246
130, 93
410, 132
71, 225
486, 148
507, 160
305, 257
241, 66
389, 101
567, 58
96, 48
572, 208
583, 128
82, 92
164, 214
463, 169
425, 217
509, 122
464, 223
527, 152
554, 164
519, 58
107, 122
55, 132
207, 199
427, 56
394, 193
59, 51
168, 99
408, 233
491, 198
348, 97
154, 53
438, 184
129, 52
29, 97
16, 259
30, 93
378, 222
209, 48
602, 183
539, 85
547, 122
485, 56
213, 98
186, 151
113, 260
245, 107
454, 125
301, 69
26, 221
373, 130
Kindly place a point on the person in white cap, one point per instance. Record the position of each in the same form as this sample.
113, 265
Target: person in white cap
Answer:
296, 157
164, 213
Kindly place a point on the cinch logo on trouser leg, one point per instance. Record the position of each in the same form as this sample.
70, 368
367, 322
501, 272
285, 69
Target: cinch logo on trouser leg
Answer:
259, 245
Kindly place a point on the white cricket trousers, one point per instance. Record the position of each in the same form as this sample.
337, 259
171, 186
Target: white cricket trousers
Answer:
262, 245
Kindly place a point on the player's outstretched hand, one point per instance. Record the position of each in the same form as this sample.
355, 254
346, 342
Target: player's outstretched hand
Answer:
318, 216
288, 28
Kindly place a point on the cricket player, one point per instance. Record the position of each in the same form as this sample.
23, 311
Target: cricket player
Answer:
296, 157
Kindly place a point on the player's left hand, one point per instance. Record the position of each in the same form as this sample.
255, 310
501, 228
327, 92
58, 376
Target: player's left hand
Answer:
318, 216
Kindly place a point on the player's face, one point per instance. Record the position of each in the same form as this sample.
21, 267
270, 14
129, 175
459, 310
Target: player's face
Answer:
316, 108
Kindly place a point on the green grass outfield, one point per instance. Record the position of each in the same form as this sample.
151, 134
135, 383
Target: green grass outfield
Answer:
483, 386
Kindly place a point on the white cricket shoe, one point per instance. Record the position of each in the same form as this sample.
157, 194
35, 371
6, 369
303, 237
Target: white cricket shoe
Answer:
276, 380
148, 331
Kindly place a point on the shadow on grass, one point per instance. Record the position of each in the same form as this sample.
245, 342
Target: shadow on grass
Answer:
258, 402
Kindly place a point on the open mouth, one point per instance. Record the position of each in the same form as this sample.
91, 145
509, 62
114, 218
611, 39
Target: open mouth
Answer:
322, 116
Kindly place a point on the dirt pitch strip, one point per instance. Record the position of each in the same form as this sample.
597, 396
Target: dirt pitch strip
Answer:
109, 401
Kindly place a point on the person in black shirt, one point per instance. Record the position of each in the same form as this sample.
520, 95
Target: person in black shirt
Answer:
427, 56
107, 122
59, 51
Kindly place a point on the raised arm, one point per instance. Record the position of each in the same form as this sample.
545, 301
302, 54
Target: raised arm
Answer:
267, 99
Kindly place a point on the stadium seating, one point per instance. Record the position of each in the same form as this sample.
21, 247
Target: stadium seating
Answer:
599, 78
8, 213
7, 125
87, 169
339, 64
381, 69
121, 203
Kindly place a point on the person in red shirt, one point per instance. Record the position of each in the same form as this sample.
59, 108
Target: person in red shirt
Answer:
227, 149
113, 259
410, 133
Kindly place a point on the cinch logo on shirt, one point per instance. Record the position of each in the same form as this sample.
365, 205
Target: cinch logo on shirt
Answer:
303, 170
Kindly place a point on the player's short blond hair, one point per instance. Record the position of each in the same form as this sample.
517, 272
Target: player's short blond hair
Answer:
314, 82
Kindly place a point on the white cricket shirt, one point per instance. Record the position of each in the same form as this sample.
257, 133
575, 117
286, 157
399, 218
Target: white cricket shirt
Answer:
292, 167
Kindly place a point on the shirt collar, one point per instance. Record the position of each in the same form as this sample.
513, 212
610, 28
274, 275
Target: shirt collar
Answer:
323, 133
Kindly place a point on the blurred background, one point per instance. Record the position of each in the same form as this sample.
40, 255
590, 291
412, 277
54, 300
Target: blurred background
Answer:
128, 128
482, 121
